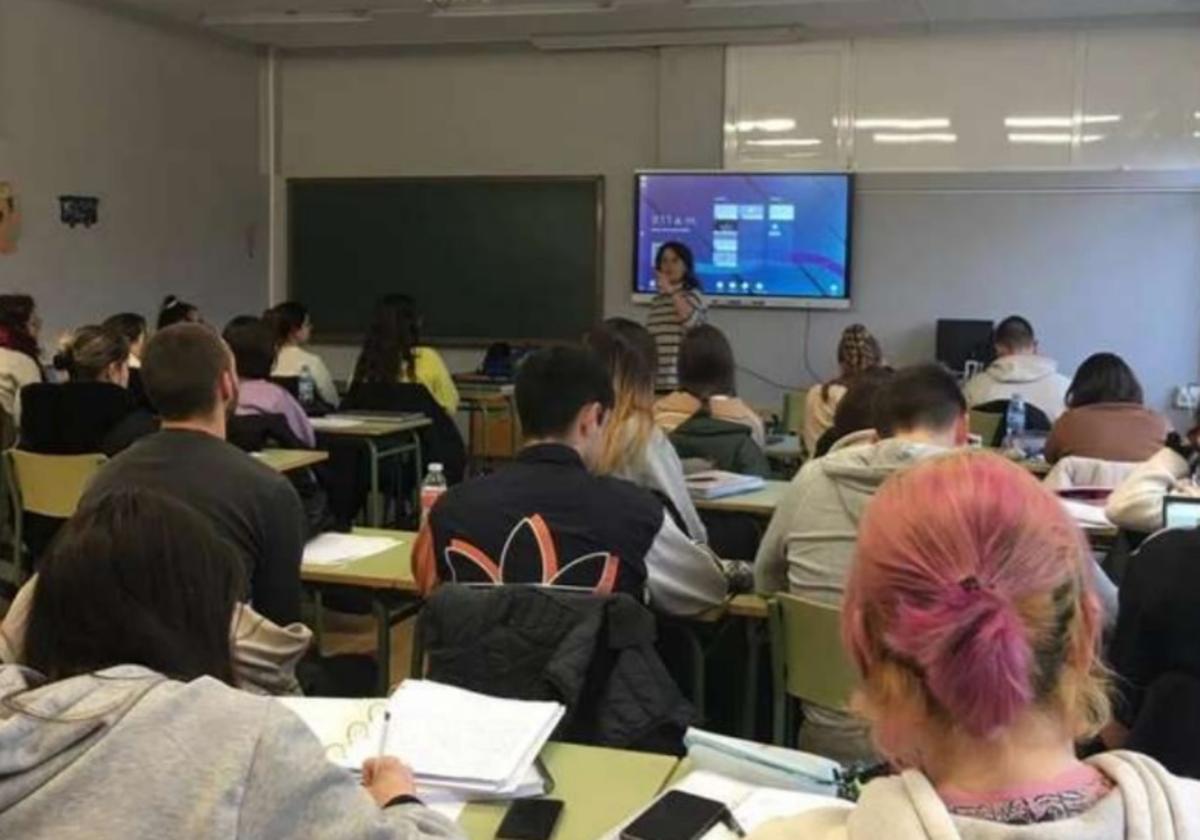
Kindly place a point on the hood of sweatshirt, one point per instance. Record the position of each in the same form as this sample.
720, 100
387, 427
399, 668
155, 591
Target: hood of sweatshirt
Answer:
1022, 369
1145, 802
45, 727
859, 470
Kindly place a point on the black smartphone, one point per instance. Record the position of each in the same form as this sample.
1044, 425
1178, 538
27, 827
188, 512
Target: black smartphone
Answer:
530, 819
677, 816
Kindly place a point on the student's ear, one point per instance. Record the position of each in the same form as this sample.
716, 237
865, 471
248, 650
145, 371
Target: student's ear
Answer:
227, 386
962, 429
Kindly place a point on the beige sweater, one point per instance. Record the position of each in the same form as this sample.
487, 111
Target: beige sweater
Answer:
673, 410
1147, 802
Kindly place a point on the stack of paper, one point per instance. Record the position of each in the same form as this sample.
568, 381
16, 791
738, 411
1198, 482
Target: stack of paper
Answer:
715, 484
461, 741
333, 422
333, 548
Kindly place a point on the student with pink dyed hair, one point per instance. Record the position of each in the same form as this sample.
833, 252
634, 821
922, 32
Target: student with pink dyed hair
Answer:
971, 615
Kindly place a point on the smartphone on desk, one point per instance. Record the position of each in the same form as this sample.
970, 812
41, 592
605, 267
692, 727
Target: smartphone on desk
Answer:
677, 816
530, 819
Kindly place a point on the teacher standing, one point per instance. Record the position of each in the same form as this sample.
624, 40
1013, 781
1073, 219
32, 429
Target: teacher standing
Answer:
676, 308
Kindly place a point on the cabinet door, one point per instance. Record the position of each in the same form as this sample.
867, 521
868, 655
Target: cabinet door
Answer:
783, 107
980, 102
1145, 85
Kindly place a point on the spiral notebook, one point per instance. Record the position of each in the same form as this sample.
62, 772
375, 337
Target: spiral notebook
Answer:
479, 746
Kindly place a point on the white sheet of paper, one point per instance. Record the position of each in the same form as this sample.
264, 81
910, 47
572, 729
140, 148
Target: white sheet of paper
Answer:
333, 548
1087, 516
453, 738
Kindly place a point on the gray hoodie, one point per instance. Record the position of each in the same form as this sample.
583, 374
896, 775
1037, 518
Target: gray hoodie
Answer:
1147, 803
1035, 378
127, 753
809, 546
810, 542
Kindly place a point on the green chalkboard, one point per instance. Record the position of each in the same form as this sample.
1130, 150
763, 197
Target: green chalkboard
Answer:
487, 259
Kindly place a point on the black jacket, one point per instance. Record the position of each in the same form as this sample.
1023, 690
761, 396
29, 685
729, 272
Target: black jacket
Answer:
1158, 623
594, 654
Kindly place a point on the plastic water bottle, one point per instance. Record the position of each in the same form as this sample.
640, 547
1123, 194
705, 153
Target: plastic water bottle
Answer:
1014, 422
306, 387
432, 489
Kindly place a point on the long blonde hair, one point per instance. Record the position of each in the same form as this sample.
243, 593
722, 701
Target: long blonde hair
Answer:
628, 352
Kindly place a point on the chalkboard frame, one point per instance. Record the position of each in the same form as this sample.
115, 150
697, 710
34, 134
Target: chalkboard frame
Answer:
355, 338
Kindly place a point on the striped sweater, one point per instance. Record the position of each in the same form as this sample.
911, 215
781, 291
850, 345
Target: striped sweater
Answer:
668, 330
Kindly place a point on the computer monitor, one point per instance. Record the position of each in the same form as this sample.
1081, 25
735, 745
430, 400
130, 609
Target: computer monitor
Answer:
758, 238
960, 341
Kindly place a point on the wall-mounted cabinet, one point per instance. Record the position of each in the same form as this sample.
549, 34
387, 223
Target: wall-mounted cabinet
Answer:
1107, 99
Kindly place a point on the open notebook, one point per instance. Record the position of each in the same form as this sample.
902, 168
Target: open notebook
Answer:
455, 740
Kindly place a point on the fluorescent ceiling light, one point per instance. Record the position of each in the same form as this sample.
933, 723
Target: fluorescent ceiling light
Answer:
668, 38
773, 124
926, 137
786, 141
1052, 139
278, 18
902, 124
490, 10
1060, 122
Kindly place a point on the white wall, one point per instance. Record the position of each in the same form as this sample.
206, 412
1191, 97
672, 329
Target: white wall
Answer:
163, 127
1097, 261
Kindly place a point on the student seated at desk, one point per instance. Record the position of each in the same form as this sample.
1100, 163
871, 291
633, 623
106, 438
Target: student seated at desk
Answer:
705, 417
293, 329
1105, 417
1137, 503
1019, 369
854, 419
546, 519
809, 546
133, 327
252, 343
20, 355
392, 352
857, 351
125, 723
634, 448
176, 311
93, 411
190, 376
971, 616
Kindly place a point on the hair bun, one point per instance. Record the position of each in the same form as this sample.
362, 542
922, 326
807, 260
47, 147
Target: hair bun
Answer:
62, 360
973, 649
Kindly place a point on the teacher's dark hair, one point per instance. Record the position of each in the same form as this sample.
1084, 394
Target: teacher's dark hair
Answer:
690, 281
135, 578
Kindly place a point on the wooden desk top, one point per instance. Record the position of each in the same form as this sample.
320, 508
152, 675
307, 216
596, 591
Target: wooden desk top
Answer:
600, 789
759, 502
391, 569
286, 460
372, 427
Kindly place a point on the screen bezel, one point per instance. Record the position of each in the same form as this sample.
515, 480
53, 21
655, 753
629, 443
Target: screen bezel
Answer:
750, 301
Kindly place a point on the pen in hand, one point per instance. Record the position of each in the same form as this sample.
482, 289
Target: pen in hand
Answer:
383, 733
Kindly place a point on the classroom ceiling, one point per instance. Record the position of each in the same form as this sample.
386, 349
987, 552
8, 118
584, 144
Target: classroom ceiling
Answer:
582, 24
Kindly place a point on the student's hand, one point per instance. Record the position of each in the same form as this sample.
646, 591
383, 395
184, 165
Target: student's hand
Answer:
386, 778
663, 283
